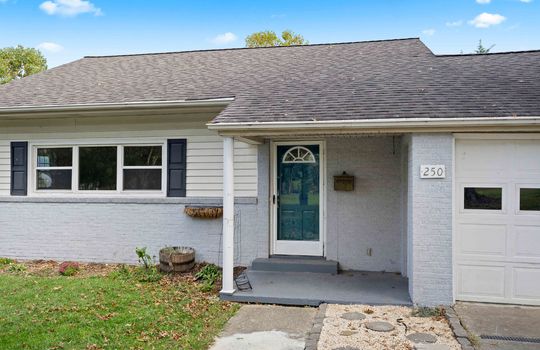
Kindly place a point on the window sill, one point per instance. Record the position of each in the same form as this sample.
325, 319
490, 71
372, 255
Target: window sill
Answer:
127, 200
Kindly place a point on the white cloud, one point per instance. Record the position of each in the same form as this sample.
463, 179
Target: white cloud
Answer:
224, 38
454, 23
69, 8
483, 1
526, 1
486, 20
429, 31
50, 47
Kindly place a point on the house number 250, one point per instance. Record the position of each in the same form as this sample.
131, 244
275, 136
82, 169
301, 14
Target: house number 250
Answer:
432, 171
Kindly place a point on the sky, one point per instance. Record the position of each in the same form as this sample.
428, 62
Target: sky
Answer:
66, 30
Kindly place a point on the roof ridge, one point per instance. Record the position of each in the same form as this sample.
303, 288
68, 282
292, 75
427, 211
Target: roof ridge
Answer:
488, 54
252, 48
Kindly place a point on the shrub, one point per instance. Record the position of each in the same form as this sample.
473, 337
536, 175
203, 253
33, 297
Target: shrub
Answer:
424, 311
208, 275
68, 268
6, 261
17, 268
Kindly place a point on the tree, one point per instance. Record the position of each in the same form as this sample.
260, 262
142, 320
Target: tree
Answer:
269, 38
480, 50
19, 62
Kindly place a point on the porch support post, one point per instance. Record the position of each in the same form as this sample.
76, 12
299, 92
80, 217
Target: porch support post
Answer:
228, 215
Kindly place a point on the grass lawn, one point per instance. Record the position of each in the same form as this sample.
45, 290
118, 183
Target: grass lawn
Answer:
111, 309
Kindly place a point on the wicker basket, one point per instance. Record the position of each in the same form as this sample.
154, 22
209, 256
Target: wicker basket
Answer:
176, 259
204, 212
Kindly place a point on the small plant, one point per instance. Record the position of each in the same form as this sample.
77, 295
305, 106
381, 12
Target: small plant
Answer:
368, 311
208, 275
148, 272
147, 275
68, 268
17, 268
121, 272
424, 311
144, 258
6, 261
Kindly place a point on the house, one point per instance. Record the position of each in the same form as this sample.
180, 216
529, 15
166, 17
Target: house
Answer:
378, 155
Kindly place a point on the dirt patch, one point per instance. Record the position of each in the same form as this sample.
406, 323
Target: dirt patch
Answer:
49, 268
338, 332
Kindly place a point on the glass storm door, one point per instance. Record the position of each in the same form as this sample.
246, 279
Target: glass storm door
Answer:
298, 180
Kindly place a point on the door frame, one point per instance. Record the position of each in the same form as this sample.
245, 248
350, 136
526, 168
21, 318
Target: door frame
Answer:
321, 249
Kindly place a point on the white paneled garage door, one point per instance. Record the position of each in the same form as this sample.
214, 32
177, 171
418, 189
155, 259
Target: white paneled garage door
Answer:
497, 245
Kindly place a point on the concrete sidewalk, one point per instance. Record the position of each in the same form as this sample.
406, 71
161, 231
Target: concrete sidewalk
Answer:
267, 327
501, 320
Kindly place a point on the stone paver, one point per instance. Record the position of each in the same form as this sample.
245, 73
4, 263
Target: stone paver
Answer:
353, 316
422, 338
380, 326
431, 347
347, 333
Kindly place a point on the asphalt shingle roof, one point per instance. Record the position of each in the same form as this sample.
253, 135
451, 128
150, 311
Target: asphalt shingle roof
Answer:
365, 80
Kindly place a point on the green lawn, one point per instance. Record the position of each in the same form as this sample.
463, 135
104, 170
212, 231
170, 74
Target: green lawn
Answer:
114, 311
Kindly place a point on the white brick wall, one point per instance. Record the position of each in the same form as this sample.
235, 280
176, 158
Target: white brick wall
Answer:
109, 230
370, 216
430, 221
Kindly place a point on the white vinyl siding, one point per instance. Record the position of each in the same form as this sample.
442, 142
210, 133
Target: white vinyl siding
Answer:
4, 167
205, 167
204, 151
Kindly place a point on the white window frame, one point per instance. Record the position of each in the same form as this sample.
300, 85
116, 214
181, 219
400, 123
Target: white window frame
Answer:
519, 186
75, 145
37, 168
140, 167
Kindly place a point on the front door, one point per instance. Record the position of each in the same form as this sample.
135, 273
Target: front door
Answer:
298, 199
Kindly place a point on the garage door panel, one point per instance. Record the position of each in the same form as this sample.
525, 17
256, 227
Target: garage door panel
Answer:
527, 160
526, 242
498, 250
481, 280
482, 239
526, 283
476, 158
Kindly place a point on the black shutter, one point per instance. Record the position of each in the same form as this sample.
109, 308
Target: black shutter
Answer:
19, 168
176, 168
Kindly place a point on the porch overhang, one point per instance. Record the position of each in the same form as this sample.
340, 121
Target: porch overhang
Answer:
254, 130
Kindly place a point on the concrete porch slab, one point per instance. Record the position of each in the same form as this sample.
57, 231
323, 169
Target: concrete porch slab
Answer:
313, 289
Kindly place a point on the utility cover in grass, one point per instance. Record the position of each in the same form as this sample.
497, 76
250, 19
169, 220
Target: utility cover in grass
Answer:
379, 326
422, 338
353, 316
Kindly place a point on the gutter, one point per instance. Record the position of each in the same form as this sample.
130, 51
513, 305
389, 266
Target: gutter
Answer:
89, 107
377, 123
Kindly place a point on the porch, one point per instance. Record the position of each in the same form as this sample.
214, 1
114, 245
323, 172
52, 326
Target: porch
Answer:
313, 289
366, 227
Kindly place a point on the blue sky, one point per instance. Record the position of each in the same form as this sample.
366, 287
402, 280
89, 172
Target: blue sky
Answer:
66, 30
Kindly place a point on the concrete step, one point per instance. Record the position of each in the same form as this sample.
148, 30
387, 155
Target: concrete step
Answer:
295, 264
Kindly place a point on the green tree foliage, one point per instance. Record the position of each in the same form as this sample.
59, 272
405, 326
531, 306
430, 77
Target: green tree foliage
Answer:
481, 49
269, 38
19, 62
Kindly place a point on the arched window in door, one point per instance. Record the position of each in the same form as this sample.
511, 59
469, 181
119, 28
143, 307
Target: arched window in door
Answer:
298, 154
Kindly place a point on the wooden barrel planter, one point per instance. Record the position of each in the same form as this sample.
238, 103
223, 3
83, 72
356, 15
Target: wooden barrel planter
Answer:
176, 259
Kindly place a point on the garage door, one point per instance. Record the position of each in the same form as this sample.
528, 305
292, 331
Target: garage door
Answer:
498, 220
